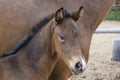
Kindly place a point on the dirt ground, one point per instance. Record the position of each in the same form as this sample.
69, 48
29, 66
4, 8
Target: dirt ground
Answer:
100, 65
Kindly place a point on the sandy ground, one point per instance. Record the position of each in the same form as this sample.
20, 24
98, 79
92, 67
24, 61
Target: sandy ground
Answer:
100, 65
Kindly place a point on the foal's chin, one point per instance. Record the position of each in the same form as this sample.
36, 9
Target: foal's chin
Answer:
76, 72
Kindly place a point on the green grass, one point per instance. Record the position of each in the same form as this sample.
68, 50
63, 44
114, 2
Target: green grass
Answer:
113, 15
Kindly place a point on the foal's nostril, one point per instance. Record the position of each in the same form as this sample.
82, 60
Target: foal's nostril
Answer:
78, 66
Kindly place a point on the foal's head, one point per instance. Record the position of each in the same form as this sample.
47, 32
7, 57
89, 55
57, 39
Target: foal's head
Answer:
66, 40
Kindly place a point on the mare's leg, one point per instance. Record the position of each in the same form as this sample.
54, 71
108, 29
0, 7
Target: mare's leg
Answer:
60, 71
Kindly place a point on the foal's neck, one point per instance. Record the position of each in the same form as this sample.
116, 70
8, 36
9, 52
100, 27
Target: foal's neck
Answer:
36, 59
40, 52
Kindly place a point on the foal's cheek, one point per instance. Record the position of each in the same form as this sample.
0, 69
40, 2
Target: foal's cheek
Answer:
57, 45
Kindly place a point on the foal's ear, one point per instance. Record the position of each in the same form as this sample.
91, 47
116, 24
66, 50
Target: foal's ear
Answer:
77, 14
59, 15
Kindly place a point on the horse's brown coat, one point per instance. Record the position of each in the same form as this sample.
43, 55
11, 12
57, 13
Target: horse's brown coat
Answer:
94, 12
32, 62
36, 60
18, 16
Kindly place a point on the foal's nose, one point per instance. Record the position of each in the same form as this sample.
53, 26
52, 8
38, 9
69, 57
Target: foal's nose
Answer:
78, 67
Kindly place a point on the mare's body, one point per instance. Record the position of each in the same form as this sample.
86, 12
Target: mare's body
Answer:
17, 17
94, 13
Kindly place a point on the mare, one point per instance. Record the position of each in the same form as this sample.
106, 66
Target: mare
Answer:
93, 15
18, 17
34, 57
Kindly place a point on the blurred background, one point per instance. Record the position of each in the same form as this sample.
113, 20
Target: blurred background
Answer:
115, 12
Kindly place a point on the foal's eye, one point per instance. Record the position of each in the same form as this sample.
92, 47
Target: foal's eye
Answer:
61, 38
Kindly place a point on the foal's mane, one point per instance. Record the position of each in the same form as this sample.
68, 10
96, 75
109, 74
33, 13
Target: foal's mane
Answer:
30, 36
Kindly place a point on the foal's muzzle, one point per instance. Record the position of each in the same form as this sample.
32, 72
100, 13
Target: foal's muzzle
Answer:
79, 67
